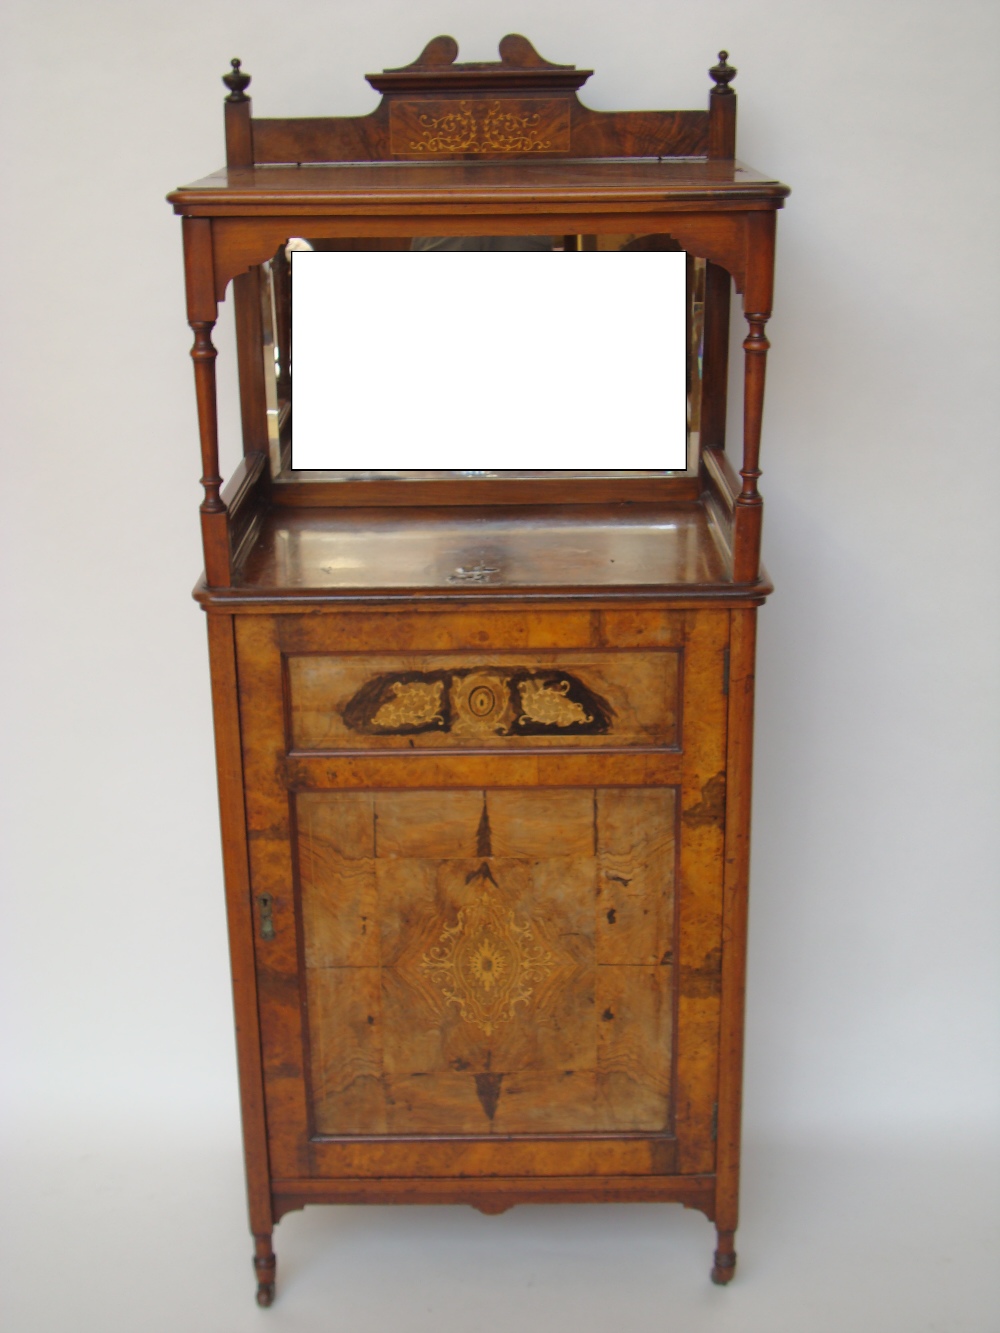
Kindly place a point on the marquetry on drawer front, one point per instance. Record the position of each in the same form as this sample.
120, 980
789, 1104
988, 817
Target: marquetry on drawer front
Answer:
504, 700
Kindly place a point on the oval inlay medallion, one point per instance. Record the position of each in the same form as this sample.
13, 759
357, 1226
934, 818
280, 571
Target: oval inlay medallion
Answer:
482, 701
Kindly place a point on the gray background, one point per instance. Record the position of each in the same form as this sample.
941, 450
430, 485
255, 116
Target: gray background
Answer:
872, 1092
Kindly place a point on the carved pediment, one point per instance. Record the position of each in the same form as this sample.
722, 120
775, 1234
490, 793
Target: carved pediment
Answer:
437, 70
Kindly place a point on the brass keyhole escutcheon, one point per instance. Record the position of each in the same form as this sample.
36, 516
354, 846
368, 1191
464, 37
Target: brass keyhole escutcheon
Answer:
482, 701
266, 904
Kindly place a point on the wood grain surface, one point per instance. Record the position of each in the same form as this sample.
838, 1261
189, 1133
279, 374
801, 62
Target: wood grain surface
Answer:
472, 964
445, 701
565, 859
466, 969
336, 548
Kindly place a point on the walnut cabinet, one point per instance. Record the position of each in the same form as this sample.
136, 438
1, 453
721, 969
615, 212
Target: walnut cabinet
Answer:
484, 742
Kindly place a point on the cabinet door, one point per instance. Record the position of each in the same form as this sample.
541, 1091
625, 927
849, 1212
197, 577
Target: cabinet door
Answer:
489, 854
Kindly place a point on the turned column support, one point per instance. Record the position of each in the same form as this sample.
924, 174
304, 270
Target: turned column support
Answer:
749, 507
202, 311
757, 295
203, 354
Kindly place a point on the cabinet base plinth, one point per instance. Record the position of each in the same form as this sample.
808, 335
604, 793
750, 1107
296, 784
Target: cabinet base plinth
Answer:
499, 1193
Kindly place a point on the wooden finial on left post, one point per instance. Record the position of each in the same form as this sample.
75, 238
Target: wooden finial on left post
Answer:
237, 82
239, 130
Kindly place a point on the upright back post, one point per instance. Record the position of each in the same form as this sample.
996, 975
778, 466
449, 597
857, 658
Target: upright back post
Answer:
722, 111
239, 130
718, 284
246, 287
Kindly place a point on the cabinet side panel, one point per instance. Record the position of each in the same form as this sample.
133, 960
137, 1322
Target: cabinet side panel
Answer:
741, 701
269, 833
232, 812
699, 926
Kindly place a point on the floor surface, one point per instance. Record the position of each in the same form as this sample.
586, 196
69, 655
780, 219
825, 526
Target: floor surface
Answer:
114, 1237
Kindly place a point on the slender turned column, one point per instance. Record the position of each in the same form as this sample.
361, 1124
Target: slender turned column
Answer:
202, 311
214, 516
749, 505
203, 354
757, 296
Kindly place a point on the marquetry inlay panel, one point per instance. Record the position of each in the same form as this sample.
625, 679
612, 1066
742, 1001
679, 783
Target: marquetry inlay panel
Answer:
488, 962
431, 127
349, 702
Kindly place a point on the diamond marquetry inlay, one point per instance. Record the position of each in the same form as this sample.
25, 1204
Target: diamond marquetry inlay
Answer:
487, 963
493, 961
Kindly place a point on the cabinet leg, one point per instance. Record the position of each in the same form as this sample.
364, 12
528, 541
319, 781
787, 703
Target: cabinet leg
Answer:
725, 1258
264, 1264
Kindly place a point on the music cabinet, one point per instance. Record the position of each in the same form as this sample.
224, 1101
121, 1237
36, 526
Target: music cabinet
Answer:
484, 738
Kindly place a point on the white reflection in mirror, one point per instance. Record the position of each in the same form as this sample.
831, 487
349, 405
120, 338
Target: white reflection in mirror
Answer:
488, 362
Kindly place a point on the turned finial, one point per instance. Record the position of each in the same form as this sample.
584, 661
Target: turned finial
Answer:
237, 81
723, 74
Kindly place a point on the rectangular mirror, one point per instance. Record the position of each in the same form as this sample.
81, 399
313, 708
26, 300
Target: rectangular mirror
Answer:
488, 363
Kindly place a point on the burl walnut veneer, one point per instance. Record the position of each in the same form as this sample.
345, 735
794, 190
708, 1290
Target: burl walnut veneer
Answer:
484, 744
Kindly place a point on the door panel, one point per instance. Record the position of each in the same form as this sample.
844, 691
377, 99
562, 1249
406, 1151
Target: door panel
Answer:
488, 963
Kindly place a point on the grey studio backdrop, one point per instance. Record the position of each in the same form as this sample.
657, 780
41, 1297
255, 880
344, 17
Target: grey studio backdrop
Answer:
872, 1096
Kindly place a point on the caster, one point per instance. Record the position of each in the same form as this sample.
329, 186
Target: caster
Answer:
724, 1268
264, 1264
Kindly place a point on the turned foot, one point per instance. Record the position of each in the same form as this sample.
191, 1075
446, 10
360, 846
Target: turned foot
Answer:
264, 1265
725, 1259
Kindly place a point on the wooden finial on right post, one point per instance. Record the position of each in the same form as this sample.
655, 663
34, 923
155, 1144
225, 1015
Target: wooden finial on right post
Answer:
722, 110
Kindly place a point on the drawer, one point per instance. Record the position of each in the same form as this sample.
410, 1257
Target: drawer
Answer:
526, 699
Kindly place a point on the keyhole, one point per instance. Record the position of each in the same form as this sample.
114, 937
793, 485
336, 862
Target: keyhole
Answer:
265, 903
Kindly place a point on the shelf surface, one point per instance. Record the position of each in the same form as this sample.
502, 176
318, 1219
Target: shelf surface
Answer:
584, 546
685, 180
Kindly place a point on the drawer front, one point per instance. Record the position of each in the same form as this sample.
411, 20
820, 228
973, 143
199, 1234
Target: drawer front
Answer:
507, 700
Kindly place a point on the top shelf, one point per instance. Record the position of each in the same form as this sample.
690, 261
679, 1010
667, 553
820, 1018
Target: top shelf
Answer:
250, 191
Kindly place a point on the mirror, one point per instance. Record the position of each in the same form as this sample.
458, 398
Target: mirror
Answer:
513, 361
